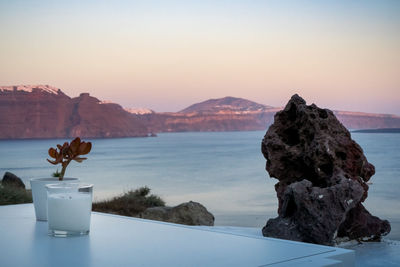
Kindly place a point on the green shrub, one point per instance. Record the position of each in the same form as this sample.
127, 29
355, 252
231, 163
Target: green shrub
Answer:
14, 195
130, 203
56, 174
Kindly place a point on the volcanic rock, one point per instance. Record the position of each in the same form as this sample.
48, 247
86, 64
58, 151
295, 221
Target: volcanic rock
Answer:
322, 175
189, 213
10, 179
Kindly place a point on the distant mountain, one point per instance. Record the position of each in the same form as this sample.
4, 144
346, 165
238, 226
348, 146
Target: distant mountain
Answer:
42, 111
235, 114
208, 122
361, 120
223, 114
226, 104
238, 114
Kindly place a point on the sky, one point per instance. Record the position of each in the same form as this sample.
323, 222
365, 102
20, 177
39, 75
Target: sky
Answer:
167, 55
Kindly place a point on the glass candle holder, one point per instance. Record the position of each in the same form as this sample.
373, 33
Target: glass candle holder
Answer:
69, 206
39, 194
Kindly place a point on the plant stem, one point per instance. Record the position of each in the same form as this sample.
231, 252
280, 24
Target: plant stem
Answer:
64, 168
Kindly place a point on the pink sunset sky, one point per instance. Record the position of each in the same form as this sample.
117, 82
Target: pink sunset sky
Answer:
166, 55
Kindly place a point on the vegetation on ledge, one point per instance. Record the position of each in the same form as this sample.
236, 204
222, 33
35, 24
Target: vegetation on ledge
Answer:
130, 203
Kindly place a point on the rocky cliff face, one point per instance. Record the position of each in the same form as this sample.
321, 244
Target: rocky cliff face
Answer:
211, 122
224, 114
43, 111
322, 175
237, 114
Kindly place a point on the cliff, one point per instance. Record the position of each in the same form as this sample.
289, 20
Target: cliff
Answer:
237, 114
42, 111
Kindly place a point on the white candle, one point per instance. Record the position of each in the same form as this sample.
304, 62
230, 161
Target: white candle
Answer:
69, 211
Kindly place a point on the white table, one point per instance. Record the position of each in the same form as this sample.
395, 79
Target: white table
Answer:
124, 241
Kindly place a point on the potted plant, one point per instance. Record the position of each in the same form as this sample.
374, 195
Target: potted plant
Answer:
63, 155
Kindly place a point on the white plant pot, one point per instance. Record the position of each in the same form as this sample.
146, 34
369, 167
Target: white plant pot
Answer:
39, 194
69, 206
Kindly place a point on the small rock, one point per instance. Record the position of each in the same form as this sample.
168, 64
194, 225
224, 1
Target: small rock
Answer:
10, 179
189, 213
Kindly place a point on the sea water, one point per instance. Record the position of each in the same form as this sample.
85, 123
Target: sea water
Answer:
225, 171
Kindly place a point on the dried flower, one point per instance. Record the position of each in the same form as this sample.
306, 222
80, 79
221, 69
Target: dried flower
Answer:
67, 152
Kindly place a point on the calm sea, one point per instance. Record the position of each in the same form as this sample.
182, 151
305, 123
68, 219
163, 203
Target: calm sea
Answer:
225, 171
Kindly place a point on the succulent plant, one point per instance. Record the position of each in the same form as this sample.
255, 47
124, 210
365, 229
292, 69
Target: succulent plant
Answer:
66, 153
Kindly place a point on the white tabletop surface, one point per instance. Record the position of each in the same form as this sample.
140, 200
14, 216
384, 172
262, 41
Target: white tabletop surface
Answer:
124, 241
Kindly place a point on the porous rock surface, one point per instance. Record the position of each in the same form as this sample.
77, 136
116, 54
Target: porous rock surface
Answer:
188, 213
322, 175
